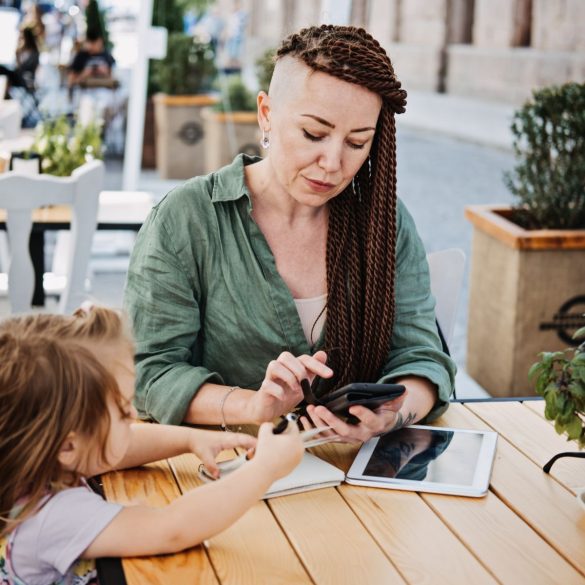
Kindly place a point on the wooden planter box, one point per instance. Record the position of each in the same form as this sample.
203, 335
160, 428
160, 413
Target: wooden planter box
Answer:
527, 295
220, 148
180, 145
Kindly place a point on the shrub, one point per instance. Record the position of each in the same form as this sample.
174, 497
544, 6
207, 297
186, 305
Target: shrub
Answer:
188, 68
265, 68
549, 143
236, 97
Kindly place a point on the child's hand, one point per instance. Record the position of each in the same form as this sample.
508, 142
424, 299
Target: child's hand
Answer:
278, 454
207, 444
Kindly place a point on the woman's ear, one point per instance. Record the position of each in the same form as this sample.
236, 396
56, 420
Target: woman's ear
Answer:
69, 453
263, 102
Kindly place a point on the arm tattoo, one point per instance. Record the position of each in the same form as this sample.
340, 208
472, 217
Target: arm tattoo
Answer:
401, 421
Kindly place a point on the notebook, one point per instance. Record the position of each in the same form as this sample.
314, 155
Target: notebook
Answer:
310, 474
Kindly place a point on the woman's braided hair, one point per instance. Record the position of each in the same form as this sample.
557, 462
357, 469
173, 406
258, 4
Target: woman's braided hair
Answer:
361, 241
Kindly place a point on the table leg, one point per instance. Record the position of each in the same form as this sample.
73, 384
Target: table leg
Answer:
37, 254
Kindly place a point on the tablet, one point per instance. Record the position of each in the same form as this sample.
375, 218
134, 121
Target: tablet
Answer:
427, 459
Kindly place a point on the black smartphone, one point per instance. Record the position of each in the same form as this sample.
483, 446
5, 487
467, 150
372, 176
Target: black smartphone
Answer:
365, 394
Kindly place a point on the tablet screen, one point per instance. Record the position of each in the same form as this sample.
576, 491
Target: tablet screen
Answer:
435, 455
427, 459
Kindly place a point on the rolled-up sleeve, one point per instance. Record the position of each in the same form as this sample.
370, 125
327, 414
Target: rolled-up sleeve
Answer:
162, 300
416, 347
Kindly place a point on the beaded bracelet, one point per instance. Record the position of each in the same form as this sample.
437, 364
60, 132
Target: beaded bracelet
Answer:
225, 397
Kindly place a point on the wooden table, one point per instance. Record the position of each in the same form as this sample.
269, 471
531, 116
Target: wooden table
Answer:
528, 529
118, 210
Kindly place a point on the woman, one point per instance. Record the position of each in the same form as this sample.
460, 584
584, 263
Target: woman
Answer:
27, 61
299, 265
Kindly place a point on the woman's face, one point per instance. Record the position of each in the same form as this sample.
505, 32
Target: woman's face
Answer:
321, 131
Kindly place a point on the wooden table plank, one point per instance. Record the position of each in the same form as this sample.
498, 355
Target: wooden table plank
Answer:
334, 548
414, 538
540, 501
535, 437
154, 485
513, 552
254, 549
537, 407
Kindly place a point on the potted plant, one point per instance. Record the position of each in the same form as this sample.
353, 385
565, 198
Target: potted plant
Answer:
560, 380
169, 15
183, 76
265, 68
183, 80
63, 146
528, 262
231, 126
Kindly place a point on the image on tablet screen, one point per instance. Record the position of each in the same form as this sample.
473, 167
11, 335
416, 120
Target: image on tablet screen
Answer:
432, 455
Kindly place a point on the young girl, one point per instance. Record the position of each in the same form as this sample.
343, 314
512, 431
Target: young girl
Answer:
66, 390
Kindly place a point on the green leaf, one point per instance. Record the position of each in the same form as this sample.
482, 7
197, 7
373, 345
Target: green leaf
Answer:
550, 411
579, 333
573, 428
534, 369
559, 427
577, 387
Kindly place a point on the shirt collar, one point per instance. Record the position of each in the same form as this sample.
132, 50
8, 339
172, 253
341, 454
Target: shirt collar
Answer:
230, 182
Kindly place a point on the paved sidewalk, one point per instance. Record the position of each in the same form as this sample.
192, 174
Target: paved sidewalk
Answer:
470, 119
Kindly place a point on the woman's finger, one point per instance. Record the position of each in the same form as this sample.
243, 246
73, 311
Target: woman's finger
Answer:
321, 417
272, 389
371, 422
294, 364
278, 371
306, 424
315, 366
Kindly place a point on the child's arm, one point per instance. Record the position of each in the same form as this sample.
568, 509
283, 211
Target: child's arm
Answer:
152, 442
203, 512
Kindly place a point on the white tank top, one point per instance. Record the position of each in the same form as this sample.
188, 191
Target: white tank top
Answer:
309, 310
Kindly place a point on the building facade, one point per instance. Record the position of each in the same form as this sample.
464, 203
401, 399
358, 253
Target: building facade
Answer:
491, 49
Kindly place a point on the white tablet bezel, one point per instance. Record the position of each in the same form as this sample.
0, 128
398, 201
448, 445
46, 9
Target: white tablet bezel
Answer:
478, 488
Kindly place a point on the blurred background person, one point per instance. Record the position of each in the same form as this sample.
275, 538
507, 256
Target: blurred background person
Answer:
93, 60
26, 62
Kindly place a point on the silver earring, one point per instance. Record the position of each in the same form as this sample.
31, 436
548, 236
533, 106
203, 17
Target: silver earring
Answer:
265, 142
355, 186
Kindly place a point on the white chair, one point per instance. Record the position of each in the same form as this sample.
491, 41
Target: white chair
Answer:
20, 195
10, 117
446, 269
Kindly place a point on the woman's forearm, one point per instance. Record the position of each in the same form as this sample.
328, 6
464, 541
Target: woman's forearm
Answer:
211, 399
421, 396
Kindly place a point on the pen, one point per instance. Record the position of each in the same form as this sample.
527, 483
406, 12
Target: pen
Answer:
283, 424
277, 430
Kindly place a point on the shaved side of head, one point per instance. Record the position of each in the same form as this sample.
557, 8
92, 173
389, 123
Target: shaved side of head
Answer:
287, 80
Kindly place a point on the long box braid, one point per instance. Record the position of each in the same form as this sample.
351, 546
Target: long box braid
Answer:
361, 239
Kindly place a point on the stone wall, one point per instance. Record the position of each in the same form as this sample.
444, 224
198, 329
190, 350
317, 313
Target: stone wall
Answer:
494, 49
519, 45
558, 25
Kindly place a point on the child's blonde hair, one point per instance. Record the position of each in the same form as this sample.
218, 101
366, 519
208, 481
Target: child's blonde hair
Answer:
51, 384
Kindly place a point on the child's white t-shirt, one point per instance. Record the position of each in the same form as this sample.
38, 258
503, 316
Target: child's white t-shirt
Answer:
45, 547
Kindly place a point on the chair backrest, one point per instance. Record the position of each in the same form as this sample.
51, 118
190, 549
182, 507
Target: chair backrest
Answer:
446, 268
20, 194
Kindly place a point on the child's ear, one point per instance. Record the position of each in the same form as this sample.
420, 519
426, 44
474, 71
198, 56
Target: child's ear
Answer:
69, 452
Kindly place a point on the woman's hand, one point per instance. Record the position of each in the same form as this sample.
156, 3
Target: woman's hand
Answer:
372, 422
414, 404
281, 389
208, 444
